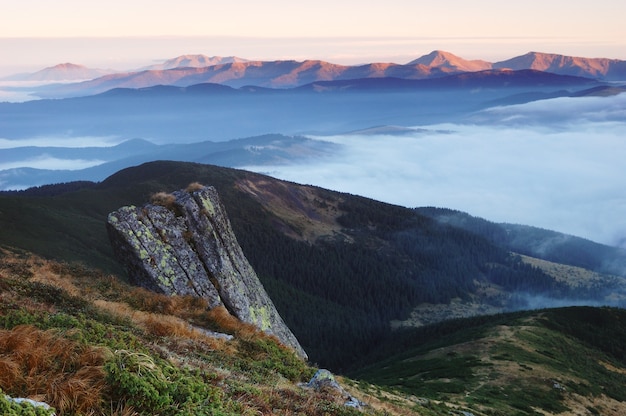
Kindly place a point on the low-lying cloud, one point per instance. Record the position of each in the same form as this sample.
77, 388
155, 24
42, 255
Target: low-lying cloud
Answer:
52, 163
556, 164
68, 141
20, 91
558, 111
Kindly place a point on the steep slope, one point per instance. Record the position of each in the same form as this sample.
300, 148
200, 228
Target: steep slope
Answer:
537, 242
550, 362
183, 244
87, 343
339, 268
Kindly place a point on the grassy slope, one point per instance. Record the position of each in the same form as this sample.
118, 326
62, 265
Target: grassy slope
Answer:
569, 360
329, 291
87, 343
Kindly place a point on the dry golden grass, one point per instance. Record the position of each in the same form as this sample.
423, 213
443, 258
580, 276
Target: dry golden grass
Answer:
162, 325
75, 280
50, 273
155, 324
45, 366
194, 186
230, 324
241, 330
10, 370
164, 199
181, 306
223, 318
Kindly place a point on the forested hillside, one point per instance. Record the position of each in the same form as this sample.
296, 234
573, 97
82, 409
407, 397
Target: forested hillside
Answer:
538, 242
338, 267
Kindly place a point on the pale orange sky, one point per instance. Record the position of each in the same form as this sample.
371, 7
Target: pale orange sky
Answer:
346, 31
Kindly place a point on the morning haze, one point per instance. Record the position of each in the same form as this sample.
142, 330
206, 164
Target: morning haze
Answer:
427, 197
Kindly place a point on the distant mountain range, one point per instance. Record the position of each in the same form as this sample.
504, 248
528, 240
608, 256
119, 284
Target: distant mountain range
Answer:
210, 111
261, 150
194, 61
237, 72
602, 68
446, 61
62, 72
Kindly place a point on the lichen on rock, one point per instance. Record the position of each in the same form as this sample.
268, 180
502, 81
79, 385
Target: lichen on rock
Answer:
187, 247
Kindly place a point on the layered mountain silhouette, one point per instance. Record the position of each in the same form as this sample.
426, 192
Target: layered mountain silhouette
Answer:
62, 72
450, 62
609, 69
237, 72
194, 61
210, 111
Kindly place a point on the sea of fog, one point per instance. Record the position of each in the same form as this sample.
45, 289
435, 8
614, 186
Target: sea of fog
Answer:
556, 164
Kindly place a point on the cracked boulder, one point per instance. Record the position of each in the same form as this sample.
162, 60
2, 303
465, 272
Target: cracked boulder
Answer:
183, 244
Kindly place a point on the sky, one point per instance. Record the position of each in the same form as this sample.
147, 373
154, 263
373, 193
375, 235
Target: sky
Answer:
125, 34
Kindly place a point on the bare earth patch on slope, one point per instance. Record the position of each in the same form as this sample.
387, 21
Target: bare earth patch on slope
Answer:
306, 214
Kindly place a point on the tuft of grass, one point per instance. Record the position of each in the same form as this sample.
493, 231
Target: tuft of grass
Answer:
163, 199
230, 324
43, 364
194, 187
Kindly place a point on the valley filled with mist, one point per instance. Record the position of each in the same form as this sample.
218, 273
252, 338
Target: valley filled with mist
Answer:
400, 216
521, 146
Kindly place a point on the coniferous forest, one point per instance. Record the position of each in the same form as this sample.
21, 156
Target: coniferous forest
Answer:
339, 297
338, 293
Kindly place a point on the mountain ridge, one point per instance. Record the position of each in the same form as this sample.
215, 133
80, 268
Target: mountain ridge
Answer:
307, 244
62, 72
193, 61
215, 111
237, 72
451, 62
609, 69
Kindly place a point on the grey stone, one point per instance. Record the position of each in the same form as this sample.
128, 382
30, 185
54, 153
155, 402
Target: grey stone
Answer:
188, 248
325, 379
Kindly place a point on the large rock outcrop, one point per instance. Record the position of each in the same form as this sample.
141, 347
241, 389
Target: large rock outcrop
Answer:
183, 244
